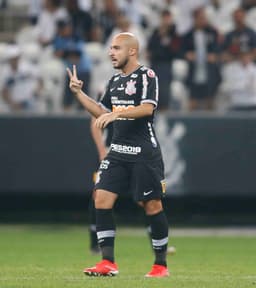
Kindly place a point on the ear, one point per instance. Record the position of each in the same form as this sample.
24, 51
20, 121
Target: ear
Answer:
132, 51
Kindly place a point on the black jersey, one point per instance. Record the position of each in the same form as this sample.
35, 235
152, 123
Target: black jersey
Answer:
133, 139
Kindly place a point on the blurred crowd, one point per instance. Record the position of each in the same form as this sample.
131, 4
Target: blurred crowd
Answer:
203, 51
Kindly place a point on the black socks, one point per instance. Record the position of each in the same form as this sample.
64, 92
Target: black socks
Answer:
92, 227
106, 234
159, 235
106, 231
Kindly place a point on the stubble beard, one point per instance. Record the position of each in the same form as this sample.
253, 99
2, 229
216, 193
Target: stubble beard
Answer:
122, 64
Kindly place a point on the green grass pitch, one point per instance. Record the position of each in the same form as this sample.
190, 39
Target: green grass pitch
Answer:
53, 256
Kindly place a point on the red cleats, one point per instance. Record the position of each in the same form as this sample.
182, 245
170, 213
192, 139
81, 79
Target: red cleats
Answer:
103, 268
158, 271
108, 268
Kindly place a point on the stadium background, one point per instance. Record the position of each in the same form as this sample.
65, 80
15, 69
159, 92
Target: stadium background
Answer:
47, 165
47, 156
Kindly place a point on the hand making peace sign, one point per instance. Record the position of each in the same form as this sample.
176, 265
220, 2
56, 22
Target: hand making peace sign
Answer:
75, 84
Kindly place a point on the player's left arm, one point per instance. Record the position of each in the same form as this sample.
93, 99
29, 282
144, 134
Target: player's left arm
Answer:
142, 110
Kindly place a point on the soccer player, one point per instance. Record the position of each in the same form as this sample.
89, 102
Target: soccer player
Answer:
134, 159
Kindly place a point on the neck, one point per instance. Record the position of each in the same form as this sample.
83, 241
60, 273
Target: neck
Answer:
130, 67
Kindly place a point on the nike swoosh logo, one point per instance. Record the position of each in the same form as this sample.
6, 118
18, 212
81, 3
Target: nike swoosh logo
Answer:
112, 89
147, 193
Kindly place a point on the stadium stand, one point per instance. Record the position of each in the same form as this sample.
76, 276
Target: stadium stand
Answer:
18, 20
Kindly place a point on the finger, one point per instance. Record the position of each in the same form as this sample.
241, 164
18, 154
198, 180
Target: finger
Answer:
75, 86
69, 73
105, 123
76, 82
98, 123
74, 72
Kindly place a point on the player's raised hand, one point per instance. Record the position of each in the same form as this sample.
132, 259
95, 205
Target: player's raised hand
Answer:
74, 83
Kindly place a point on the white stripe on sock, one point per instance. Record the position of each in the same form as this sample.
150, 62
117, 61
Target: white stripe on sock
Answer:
160, 242
106, 234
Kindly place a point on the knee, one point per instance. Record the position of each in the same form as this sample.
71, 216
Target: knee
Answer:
153, 207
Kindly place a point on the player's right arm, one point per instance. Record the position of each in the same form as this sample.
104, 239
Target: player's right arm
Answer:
89, 104
97, 136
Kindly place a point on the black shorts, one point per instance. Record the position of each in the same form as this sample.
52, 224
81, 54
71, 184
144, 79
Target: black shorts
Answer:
145, 180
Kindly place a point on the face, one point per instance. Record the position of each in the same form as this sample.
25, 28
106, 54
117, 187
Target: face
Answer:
239, 17
119, 53
215, 2
14, 62
201, 19
71, 4
66, 31
166, 19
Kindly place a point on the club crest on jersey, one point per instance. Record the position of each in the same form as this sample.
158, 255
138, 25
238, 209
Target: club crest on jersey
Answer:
130, 87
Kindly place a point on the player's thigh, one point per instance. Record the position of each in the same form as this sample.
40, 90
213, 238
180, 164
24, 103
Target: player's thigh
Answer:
148, 181
104, 199
112, 176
